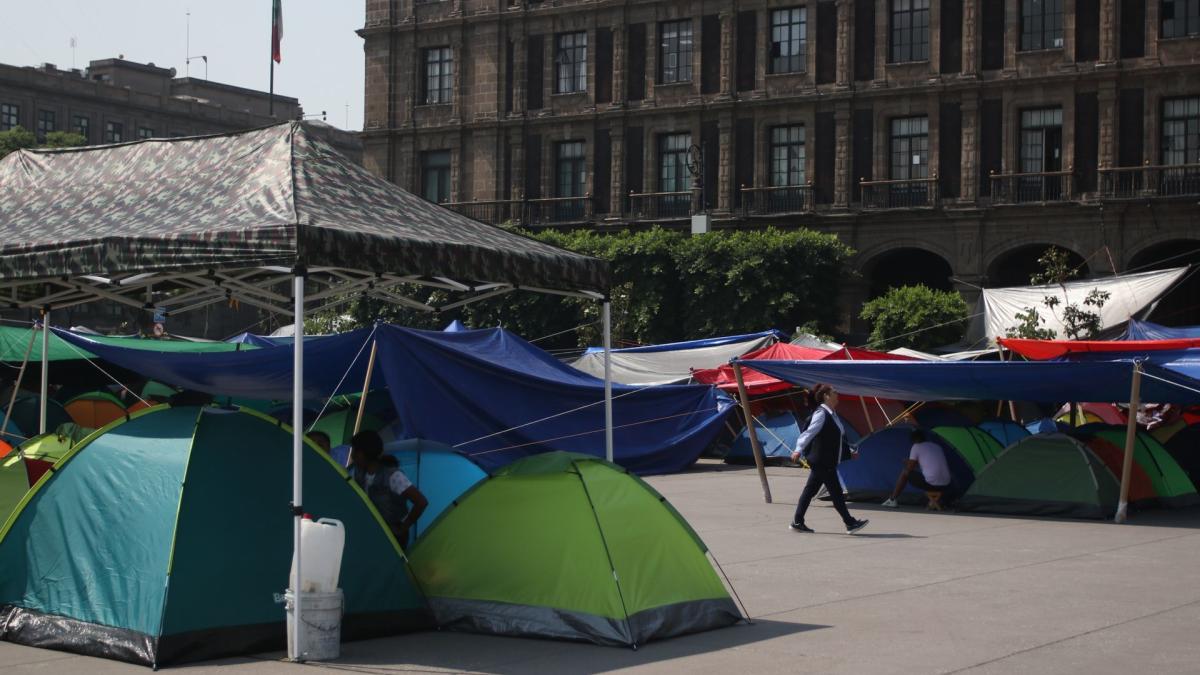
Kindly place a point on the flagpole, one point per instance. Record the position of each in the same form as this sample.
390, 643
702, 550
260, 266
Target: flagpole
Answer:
271, 93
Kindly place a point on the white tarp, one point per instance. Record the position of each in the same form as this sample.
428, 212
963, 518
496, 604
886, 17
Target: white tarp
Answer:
666, 367
1129, 294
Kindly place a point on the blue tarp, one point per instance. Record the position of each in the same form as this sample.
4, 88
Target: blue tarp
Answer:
1103, 381
264, 374
881, 456
777, 435
1144, 330
256, 340
695, 344
496, 398
455, 326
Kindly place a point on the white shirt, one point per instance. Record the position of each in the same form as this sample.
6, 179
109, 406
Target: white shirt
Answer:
814, 426
932, 460
398, 484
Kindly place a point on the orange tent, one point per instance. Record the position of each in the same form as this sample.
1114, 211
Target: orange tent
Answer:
93, 412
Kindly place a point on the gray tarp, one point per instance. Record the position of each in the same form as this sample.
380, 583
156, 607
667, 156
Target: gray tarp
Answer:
666, 367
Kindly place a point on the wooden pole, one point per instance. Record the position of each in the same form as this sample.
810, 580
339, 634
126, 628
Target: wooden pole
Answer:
1135, 399
362, 401
12, 400
754, 444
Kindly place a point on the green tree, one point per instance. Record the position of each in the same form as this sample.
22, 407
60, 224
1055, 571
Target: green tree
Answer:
1079, 322
19, 138
917, 317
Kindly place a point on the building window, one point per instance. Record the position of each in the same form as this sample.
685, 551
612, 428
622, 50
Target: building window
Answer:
673, 174
1042, 24
571, 173
675, 51
10, 116
435, 176
45, 124
145, 132
787, 156
82, 126
114, 132
571, 62
1180, 18
789, 40
1041, 140
910, 30
910, 148
1181, 131
438, 75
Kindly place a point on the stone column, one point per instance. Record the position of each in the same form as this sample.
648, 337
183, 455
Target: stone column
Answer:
935, 37
618, 79
882, 20
459, 54
933, 113
727, 75
617, 192
969, 185
1012, 34
841, 156
763, 46
725, 165
518, 74
1107, 100
1154, 28
651, 58
1068, 48
845, 42
1108, 31
970, 38
517, 140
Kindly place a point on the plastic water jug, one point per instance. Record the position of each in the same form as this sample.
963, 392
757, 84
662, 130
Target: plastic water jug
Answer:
321, 544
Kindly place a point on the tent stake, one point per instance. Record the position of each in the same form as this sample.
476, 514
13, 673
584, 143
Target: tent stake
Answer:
297, 453
362, 401
12, 400
45, 370
1135, 400
754, 445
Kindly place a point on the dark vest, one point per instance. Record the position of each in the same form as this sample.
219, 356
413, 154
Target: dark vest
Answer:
393, 507
827, 446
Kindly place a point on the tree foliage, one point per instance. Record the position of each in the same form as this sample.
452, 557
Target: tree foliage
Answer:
20, 138
1079, 322
667, 286
917, 317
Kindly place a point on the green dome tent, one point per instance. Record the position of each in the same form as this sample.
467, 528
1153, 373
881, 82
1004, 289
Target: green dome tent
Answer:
568, 546
1045, 475
164, 538
976, 446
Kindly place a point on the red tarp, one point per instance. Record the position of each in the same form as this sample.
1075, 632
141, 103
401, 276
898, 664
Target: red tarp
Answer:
757, 383
1041, 350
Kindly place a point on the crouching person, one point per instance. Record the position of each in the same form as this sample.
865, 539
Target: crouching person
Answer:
925, 469
389, 489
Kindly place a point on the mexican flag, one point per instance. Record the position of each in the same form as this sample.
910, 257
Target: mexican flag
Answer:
276, 29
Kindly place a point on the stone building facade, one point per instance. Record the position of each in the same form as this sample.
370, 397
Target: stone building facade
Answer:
947, 141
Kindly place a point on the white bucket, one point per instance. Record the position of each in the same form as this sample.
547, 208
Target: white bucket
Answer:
320, 626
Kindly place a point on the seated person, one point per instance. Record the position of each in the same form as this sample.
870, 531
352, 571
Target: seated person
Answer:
387, 486
925, 468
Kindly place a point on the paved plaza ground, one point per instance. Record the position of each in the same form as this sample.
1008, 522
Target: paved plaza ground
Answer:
916, 592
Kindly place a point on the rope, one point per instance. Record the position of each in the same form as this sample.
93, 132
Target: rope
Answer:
582, 325
105, 372
1163, 379
927, 328
585, 433
337, 388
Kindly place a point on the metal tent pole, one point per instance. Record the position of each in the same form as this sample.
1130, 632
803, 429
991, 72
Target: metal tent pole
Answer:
297, 450
45, 371
608, 410
1135, 400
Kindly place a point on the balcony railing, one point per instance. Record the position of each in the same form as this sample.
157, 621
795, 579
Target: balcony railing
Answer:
1179, 180
1031, 188
765, 201
659, 205
550, 211
899, 194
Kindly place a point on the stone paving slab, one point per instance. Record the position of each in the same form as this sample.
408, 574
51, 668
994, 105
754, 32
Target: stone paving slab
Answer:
916, 592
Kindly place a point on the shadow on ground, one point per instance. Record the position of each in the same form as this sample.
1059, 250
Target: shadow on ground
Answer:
461, 652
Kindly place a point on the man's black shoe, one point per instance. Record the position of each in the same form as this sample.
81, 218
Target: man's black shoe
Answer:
856, 526
799, 527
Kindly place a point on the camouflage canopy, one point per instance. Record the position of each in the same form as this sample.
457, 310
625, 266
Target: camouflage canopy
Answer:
229, 215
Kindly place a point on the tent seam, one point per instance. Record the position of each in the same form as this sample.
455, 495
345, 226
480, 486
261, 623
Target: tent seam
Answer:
607, 552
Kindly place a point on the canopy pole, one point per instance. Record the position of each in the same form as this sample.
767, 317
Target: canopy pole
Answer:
863, 400
754, 444
45, 371
362, 401
12, 400
608, 405
297, 450
1135, 400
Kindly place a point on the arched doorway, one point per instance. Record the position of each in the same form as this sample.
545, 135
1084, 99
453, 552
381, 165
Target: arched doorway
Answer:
1015, 267
907, 267
1181, 305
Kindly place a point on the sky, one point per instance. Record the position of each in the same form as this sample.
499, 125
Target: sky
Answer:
322, 57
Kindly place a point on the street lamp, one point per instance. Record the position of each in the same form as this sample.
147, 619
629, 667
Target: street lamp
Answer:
701, 220
189, 60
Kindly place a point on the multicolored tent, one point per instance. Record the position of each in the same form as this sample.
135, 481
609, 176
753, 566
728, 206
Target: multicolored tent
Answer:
974, 445
180, 507
1184, 446
95, 409
21, 469
569, 546
26, 415
881, 456
1005, 432
1171, 484
1045, 475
